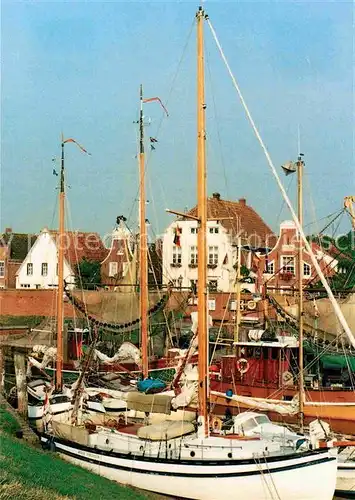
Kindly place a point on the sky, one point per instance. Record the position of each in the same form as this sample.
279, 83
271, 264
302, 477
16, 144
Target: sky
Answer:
75, 68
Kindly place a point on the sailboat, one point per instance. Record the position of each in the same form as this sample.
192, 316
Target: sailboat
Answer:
183, 459
266, 379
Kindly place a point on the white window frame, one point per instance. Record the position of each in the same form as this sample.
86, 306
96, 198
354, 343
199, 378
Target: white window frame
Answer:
193, 257
270, 267
288, 264
215, 288
177, 255
213, 255
2, 269
211, 304
44, 269
112, 269
29, 269
308, 275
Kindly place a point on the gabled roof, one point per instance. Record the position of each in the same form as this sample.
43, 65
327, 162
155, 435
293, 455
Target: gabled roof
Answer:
244, 221
19, 244
79, 245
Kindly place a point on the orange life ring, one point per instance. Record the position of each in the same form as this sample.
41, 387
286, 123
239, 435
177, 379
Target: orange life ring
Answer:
216, 424
242, 365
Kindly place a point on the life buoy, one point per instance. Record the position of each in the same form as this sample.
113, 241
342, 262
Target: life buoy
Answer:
251, 305
216, 424
242, 365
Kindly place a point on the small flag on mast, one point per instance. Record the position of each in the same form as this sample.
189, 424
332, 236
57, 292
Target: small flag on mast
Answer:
177, 234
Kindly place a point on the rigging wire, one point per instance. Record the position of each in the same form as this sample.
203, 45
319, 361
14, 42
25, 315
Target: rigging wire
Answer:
323, 279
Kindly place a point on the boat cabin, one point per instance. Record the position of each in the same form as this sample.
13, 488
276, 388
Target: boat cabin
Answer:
266, 363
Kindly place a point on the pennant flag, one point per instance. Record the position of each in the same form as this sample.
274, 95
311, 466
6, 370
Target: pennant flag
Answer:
55, 172
153, 139
79, 146
225, 260
152, 148
159, 100
177, 234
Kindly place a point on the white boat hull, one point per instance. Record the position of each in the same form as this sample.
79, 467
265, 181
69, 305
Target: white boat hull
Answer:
306, 476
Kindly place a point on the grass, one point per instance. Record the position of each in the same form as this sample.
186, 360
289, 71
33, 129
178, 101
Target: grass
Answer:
32, 474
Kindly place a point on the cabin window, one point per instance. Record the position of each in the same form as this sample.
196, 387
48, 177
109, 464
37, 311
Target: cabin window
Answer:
288, 264
29, 269
250, 352
257, 352
306, 269
2, 268
249, 425
44, 269
262, 419
274, 353
177, 255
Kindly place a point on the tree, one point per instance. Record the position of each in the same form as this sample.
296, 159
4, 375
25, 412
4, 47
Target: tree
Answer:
88, 274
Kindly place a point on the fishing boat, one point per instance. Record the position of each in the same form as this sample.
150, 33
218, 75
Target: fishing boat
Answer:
180, 458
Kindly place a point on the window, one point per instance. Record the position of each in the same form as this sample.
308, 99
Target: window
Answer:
212, 256
306, 269
112, 269
270, 267
213, 285
193, 284
193, 255
214, 230
29, 269
194, 230
2, 268
25, 285
288, 264
177, 255
44, 269
212, 305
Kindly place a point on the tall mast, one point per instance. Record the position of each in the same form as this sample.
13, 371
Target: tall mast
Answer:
60, 316
143, 267
237, 297
300, 165
202, 216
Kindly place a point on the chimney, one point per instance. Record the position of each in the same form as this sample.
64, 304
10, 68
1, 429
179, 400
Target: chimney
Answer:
8, 230
216, 196
242, 201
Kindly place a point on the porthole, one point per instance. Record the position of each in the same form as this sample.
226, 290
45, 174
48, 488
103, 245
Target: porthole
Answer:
141, 448
192, 453
230, 455
107, 441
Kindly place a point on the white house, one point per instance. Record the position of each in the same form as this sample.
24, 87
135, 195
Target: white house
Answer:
40, 267
229, 222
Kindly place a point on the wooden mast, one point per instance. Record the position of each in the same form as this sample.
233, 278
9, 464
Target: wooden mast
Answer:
60, 245
143, 267
300, 165
202, 223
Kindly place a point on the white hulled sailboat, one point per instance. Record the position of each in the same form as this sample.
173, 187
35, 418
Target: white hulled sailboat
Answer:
177, 457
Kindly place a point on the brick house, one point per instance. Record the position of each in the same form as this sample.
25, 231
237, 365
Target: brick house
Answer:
228, 222
116, 263
39, 269
13, 250
279, 268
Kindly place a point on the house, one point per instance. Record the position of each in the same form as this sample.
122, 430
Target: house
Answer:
229, 223
116, 263
40, 267
13, 250
278, 268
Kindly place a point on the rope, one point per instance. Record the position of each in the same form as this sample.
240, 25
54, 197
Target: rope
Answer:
336, 307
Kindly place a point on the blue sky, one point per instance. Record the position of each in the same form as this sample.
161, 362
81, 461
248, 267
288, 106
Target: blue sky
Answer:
76, 67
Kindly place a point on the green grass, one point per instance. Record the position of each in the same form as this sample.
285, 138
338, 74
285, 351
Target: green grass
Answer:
32, 474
